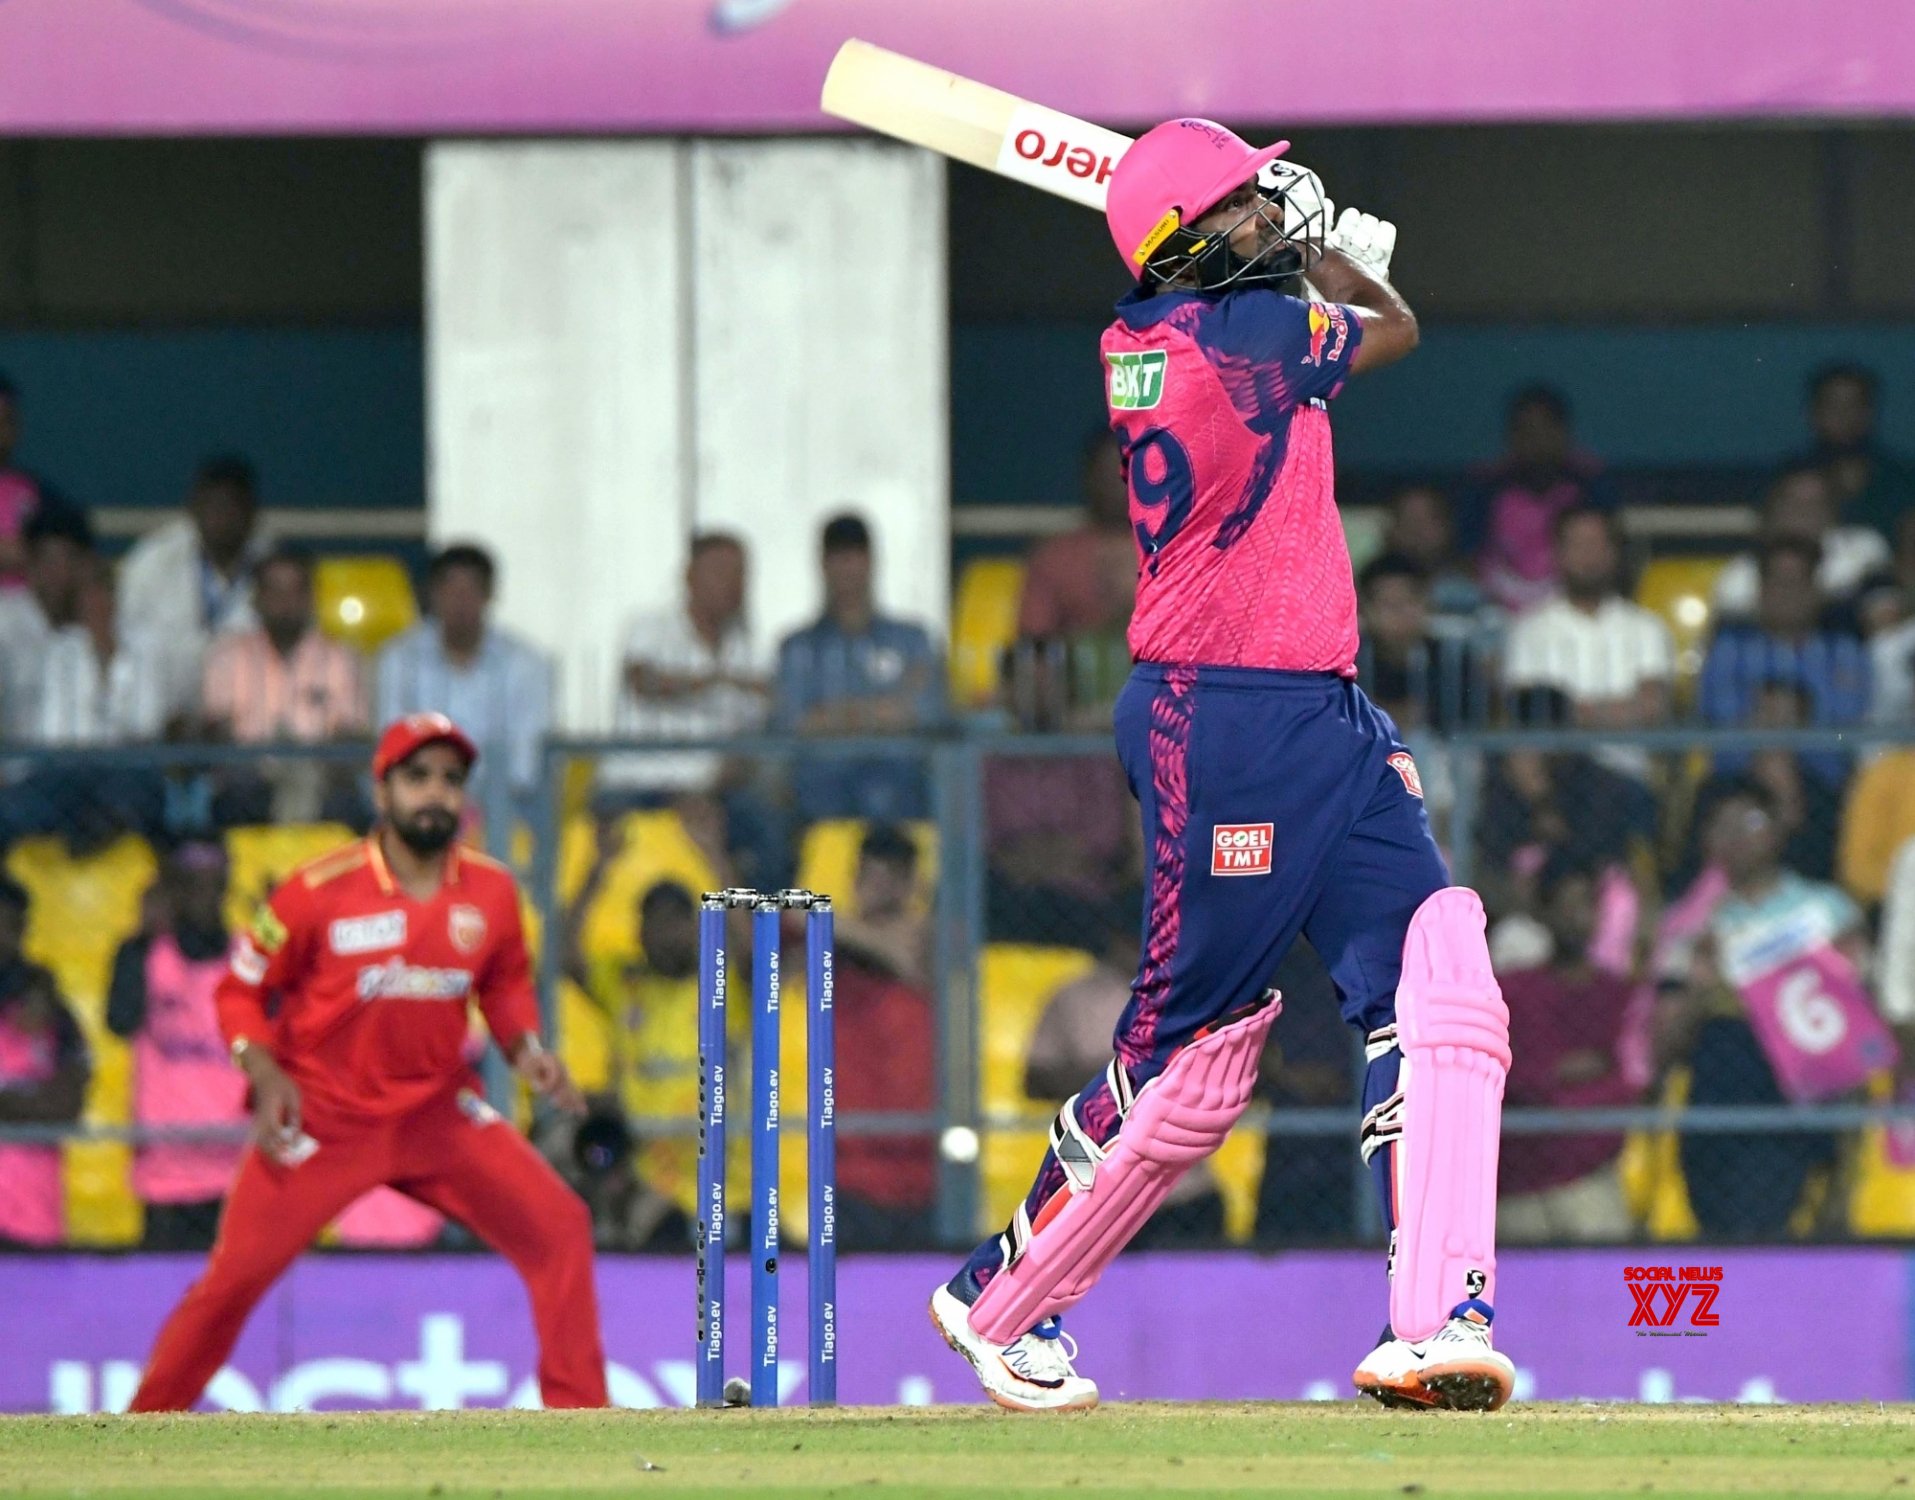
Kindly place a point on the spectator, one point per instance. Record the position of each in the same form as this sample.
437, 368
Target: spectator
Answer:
1878, 819
485, 678
1422, 527
689, 673
1061, 844
1808, 809
161, 1001
1785, 645
21, 492
102, 684
191, 579
44, 1070
1566, 1024
1873, 487
1897, 955
283, 682
857, 672
1800, 504
59, 549
887, 1064
93, 688
1308, 1193
1072, 1044
1611, 658
1890, 610
1421, 679
650, 1004
885, 928
1541, 477
1084, 581
1745, 1186
1079, 589
1538, 805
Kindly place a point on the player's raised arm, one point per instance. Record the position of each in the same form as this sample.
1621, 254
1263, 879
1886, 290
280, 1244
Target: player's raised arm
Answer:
1389, 327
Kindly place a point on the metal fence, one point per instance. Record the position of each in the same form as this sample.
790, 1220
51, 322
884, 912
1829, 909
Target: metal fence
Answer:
989, 886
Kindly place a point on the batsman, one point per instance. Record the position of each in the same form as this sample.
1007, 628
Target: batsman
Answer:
1276, 798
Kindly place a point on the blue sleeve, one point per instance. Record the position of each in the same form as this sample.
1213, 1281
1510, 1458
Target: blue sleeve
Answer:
1719, 694
1853, 682
931, 695
791, 686
1300, 350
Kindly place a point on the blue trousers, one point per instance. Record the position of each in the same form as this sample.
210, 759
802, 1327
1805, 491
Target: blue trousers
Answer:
1273, 803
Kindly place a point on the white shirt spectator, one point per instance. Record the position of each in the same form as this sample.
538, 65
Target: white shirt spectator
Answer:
668, 643
1592, 657
171, 594
1849, 554
25, 634
83, 704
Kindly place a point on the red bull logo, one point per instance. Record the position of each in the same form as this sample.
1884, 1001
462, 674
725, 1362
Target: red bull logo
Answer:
1319, 333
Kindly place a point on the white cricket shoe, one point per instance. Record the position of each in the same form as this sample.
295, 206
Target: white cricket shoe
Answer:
1032, 1373
1454, 1369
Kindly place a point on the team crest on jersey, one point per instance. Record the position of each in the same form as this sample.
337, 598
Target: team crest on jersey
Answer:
1137, 379
1406, 768
466, 925
1241, 848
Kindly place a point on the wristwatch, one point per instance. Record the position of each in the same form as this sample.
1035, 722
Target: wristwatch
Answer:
241, 1046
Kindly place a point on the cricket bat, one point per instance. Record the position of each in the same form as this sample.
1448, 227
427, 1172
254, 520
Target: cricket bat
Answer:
972, 122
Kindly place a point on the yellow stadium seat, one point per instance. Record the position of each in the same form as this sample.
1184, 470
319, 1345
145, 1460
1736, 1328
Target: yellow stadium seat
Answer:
654, 847
363, 601
262, 856
1882, 1203
1681, 590
1015, 983
983, 624
828, 860
82, 910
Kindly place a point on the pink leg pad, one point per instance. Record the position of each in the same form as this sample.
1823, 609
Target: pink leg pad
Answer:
1454, 1031
1178, 1118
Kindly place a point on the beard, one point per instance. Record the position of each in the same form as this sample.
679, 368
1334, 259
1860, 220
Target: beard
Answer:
428, 831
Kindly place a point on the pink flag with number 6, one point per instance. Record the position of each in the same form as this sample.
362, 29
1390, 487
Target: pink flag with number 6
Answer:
1816, 1025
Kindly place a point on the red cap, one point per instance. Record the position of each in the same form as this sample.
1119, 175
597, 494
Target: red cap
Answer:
407, 736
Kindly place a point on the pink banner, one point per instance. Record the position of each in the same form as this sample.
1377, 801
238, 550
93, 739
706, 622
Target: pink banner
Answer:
1817, 1025
431, 66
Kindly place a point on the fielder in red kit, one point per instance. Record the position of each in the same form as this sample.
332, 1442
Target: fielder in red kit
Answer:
359, 1079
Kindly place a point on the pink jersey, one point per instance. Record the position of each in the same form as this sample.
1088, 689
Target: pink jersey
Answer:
1219, 403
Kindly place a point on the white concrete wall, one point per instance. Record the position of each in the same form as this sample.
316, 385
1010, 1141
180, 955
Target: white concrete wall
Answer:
627, 341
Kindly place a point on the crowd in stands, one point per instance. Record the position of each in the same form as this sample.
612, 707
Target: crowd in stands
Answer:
1663, 920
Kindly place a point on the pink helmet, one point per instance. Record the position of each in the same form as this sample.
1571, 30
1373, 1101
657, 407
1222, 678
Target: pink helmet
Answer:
1175, 173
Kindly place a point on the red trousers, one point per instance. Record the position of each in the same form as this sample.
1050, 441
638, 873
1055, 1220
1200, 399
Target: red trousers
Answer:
454, 1155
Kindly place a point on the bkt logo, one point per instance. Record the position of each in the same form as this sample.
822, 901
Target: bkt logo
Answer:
1661, 1293
1136, 379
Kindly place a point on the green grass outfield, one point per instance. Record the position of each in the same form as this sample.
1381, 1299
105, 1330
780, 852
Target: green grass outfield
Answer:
1128, 1449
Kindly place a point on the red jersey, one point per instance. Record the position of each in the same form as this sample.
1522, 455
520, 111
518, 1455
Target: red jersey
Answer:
373, 986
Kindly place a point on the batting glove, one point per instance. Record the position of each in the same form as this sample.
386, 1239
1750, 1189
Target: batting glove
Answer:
1367, 240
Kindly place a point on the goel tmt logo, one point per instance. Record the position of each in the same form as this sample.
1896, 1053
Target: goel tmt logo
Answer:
1673, 1302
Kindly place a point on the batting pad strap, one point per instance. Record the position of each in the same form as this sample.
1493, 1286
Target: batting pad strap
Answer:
1177, 1119
1453, 1028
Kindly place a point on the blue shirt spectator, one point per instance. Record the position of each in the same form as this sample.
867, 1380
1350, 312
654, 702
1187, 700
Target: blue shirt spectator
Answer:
856, 672
497, 687
1786, 647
